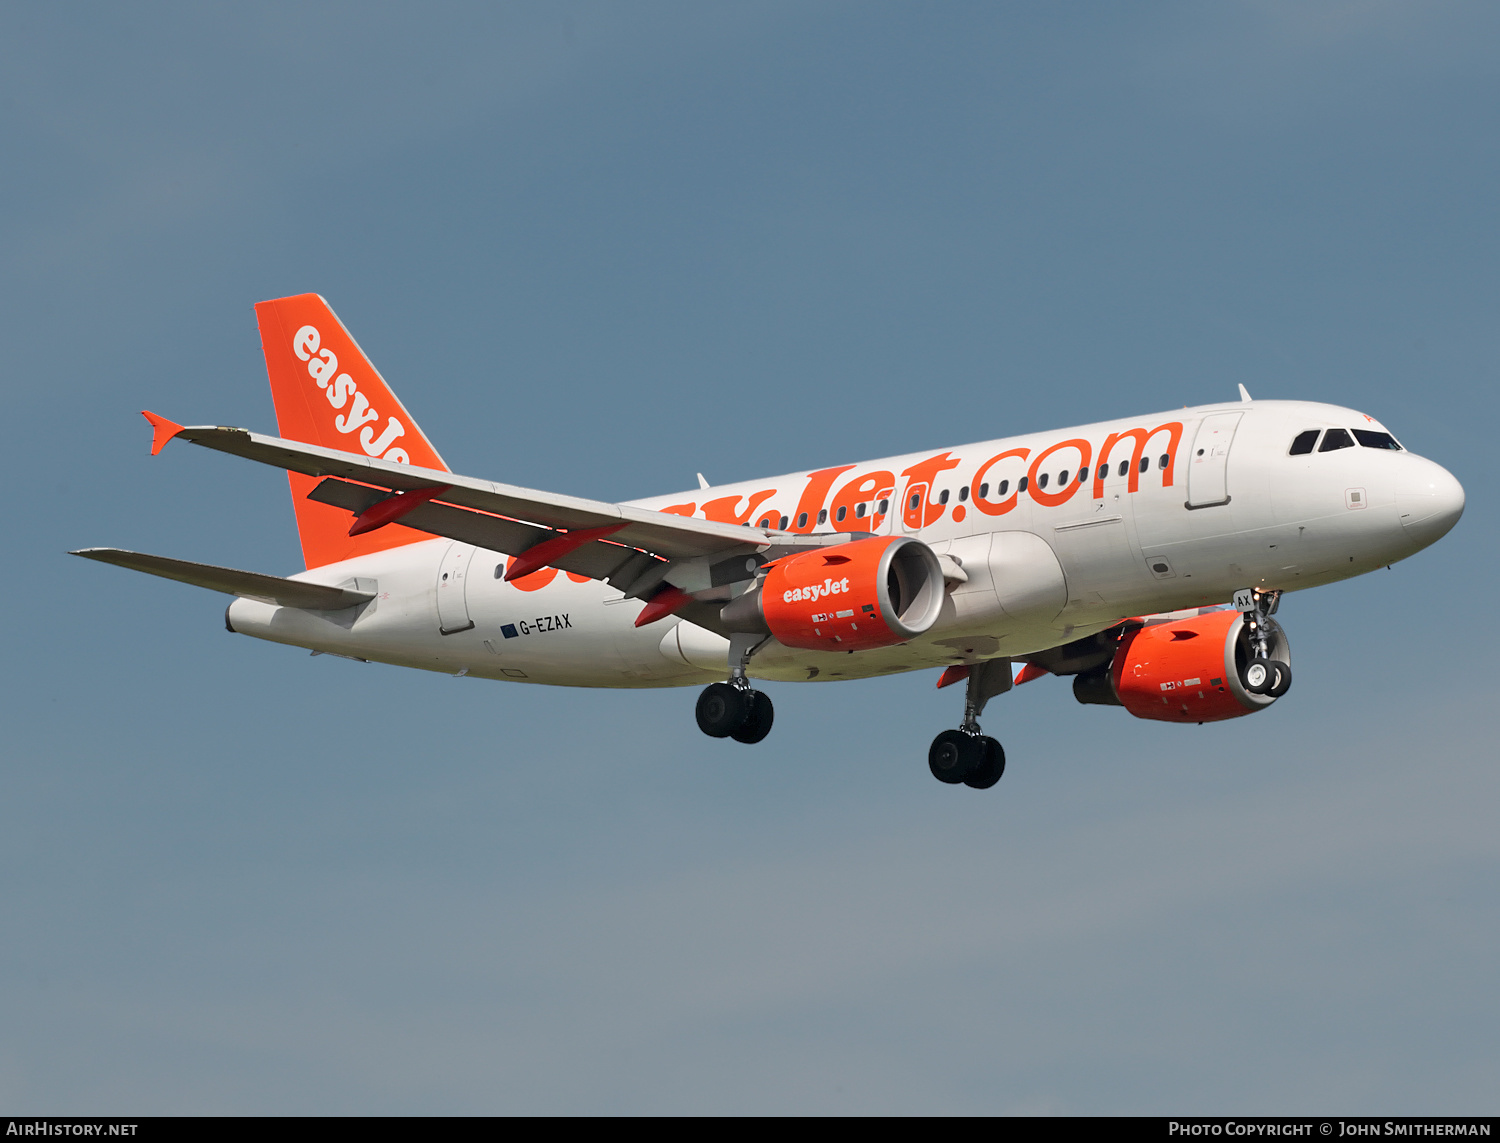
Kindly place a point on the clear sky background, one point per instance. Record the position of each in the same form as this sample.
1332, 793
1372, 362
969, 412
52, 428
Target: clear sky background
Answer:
597, 248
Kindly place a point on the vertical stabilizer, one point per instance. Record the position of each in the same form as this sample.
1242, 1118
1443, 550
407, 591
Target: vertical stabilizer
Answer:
327, 393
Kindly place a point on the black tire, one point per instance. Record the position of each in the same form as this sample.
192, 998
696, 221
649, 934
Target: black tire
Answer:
757, 723
722, 709
953, 756
1283, 676
991, 765
1259, 675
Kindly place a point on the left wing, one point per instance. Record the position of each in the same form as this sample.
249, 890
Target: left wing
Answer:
643, 549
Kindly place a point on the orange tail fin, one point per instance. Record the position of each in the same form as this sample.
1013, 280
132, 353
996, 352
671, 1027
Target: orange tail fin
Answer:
327, 393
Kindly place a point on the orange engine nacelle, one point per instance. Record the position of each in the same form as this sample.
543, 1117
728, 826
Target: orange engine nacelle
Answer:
867, 593
1188, 670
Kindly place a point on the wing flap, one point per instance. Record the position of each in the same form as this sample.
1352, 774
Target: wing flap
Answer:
232, 581
597, 560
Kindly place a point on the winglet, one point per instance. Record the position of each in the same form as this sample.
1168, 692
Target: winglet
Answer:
162, 430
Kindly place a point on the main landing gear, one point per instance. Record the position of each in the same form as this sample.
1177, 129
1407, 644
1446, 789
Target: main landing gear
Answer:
728, 711
969, 757
733, 709
965, 755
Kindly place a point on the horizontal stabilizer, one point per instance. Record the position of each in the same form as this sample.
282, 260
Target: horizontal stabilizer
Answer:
251, 585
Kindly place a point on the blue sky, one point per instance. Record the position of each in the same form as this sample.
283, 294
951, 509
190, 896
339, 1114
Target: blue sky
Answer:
597, 249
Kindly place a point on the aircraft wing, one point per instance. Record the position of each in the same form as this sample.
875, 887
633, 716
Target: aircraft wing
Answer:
643, 547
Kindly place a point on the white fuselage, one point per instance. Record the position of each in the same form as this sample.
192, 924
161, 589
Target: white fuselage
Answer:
1210, 501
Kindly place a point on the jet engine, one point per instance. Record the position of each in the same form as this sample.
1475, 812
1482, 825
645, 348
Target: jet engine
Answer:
1201, 669
875, 592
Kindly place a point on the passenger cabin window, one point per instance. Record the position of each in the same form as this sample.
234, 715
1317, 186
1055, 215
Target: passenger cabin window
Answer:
963, 493
1062, 477
1083, 474
1303, 443
1020, 487
1164, 460
802, 519
822, 515
1145, 463
842, 512
1376, 440
943, 496
1005, 486
885, 506
859, 510
1041, 481
1336, 439
1124, 467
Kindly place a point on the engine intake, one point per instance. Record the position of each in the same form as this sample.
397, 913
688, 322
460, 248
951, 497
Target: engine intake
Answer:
867, 593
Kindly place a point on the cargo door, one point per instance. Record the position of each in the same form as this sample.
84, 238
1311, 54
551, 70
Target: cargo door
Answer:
452, 602
1208, 464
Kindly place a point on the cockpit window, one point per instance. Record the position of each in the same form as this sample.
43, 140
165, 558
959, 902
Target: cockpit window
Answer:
1303, 443
1376, 440
1336, 439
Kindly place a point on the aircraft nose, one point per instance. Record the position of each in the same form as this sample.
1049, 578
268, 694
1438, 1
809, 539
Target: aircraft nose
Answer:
1429, 501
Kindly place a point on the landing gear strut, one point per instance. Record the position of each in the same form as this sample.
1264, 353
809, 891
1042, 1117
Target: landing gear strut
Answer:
965, 755
1263, 675
733, 709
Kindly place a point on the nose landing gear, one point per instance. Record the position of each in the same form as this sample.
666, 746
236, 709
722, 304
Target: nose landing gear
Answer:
965, 755
1262, 675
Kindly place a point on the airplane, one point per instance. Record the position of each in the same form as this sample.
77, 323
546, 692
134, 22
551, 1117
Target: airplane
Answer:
1144, 558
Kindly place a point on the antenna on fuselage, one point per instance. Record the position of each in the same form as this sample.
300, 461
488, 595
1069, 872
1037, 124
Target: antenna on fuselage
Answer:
703, 483
1245, 395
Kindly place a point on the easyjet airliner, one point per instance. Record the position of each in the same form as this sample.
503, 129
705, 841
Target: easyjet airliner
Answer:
1144, 558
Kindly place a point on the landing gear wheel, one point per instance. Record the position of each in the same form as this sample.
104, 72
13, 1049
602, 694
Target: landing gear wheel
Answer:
991, 765
954, 755
1260, 675
722, 710
1283, 679
758, 721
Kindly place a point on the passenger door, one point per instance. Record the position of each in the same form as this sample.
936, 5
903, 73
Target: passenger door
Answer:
1207, 466
452, 601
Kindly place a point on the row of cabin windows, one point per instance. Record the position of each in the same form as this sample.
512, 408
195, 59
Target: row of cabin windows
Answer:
1062, 477
1335, 439
861, 510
